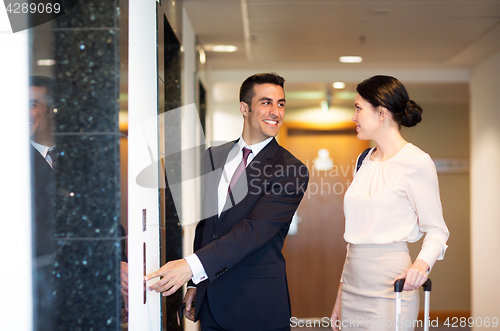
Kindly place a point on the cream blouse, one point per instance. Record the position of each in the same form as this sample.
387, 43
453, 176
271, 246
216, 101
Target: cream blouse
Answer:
397, 200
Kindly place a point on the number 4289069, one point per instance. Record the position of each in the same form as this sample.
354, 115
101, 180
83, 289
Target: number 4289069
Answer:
455, 322
33, 8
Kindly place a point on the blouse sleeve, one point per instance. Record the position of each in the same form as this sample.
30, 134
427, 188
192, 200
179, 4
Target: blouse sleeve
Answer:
423, 194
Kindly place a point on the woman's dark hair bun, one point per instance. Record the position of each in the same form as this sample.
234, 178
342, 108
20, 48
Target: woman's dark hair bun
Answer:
388, 92
412, 114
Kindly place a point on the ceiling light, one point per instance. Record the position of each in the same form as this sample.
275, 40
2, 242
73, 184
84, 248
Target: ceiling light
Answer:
351, 59
46, 62
338, 85
203, 57
224, 48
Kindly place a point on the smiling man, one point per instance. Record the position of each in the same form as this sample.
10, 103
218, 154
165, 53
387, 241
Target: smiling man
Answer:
237, 272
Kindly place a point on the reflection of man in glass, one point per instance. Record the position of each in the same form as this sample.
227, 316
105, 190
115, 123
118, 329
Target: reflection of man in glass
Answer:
42, 140
42, 113
42, 125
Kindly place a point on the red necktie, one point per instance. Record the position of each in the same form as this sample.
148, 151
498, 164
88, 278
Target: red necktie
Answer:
239, 170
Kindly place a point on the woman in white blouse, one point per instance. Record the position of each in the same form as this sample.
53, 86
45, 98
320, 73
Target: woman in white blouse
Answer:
393, 200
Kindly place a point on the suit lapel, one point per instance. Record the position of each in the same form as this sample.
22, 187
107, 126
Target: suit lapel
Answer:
220, 153
252, 171
218, 157
42, 167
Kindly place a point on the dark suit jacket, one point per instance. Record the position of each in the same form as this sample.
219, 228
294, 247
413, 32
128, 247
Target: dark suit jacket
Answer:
43, 196
43, 204
241, 250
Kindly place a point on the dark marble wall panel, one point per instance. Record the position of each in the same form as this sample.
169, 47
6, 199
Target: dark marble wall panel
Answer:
91, 14
87, 70
87, 278
88, 184
169, 58
160, 25
172, 78
87, 238
172, 10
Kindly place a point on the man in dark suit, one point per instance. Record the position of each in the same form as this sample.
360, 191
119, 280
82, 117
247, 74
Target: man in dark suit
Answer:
238, 267
42, 141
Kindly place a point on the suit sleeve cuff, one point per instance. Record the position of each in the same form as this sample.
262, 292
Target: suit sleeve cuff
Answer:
197, 269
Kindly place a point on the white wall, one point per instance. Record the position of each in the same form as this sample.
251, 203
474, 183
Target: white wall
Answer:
143, 151
444, 133
15, 194
226, 119
485, 188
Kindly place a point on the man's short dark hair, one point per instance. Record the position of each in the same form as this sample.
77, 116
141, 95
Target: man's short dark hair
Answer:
49, 85
247, 91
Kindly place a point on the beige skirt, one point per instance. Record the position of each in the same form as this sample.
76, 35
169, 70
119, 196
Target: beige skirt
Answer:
368, 298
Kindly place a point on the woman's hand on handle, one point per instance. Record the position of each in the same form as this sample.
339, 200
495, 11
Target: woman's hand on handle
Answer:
415, 276
336, 309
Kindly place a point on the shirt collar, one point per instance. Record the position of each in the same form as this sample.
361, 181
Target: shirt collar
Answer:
42, 149
256, 148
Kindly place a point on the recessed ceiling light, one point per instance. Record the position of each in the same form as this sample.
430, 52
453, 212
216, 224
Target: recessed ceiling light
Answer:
338, 85
46, 62
224, 48
351, 59
203, 57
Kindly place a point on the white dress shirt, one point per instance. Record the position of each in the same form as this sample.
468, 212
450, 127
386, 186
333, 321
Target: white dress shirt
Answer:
233, 160
43, 150
397, 200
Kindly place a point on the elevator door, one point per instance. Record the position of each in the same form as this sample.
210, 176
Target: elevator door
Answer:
315, 253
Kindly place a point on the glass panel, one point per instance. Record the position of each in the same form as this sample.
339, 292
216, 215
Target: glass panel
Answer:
43, 109
76, 146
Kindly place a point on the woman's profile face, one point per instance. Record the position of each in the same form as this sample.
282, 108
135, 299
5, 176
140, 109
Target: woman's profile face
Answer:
366, 117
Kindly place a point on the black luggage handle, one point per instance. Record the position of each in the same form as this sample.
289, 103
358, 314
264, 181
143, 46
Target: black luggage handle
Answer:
399, 284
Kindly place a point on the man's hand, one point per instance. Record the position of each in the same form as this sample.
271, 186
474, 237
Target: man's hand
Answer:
415, 276
124, 283
174, 274
188, 300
